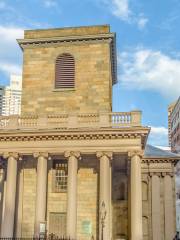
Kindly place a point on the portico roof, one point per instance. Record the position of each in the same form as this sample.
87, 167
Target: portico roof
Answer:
154, 152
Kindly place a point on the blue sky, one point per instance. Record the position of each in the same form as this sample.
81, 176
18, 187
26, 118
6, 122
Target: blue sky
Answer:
148, 48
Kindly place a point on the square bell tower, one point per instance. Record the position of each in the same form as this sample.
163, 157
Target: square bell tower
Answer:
68, 70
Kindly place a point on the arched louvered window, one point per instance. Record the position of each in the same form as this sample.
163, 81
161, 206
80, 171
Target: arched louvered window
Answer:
65, 71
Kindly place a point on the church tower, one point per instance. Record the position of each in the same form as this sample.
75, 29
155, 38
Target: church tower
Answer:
68, 70
69, 166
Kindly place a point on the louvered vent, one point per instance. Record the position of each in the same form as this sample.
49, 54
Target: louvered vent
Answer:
65, 71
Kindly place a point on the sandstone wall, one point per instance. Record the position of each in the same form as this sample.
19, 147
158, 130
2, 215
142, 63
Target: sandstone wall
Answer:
92, 92
29, 199
87, 215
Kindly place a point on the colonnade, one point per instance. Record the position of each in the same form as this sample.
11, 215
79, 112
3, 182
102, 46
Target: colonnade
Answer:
104, 198
167, 210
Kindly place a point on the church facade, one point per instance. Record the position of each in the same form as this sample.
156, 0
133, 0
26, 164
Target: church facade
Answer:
69, 165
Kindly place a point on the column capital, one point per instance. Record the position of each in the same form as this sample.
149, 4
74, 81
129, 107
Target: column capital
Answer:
76, 154
161, 174
109, 155
158, 174
14, 155
133, 153
41, 154
164, 174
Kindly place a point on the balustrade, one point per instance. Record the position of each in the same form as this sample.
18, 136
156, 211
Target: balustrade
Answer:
68, 121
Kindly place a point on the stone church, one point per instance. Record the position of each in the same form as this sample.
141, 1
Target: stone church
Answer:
69, 166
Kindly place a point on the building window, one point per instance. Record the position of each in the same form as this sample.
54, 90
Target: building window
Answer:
60, 176
57, 224
65, 71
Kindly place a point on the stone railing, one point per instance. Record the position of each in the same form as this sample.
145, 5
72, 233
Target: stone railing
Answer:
68, 121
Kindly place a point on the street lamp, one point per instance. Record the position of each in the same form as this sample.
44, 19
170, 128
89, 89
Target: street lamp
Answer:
103, 217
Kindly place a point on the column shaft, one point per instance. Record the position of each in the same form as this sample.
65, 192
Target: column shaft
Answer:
129, 201
156, 208
19, 204
169, 208
8, 222
72, 197
136, 199
41, 192
105, 196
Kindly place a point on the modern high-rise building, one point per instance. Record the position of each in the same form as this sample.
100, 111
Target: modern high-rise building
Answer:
10, 97
174, 143
69, 165
174, 126
170, 109
2, 93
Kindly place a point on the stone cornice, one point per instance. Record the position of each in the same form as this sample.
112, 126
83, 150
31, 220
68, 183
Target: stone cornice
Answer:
67, 39
160, 160
93, 134
72, 137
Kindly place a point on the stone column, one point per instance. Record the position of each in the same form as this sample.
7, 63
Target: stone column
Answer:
105, 194
156, 207
136, 196
2, 182
169, 207
9, 211
129, 197
71, 225
41, 191
19, 204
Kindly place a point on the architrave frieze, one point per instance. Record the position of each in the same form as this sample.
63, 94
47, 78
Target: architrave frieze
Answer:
88, 141
159, 166
93, 134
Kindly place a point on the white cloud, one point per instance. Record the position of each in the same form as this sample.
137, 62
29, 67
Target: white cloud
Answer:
10, 68
145, 69
50, 3
158, 136
142, 22
2, 5
10, 33
121, 9
9, 49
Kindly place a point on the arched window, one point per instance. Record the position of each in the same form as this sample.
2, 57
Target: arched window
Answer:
65, 71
